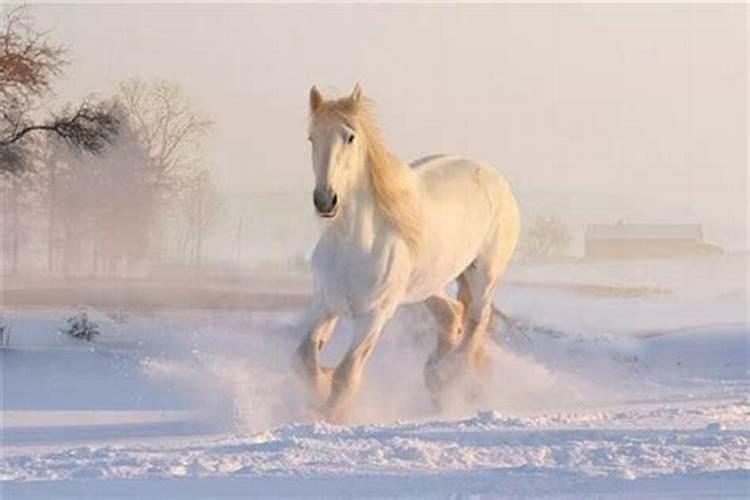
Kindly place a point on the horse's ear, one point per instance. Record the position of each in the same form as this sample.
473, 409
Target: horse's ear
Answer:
356, 94
316, 99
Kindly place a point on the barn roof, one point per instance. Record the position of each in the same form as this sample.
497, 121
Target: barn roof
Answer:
644, 231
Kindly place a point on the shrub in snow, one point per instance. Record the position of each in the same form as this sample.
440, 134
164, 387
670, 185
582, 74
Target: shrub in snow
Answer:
4, 333
81, 327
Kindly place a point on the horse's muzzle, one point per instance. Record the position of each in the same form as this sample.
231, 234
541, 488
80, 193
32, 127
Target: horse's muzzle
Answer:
325, 201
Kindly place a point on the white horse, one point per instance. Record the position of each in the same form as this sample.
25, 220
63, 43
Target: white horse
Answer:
396, 234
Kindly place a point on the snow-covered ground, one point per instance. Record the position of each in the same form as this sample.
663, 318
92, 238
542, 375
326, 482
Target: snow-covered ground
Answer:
610, 380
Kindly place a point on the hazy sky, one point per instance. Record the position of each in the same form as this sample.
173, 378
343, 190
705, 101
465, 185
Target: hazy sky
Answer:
643, 104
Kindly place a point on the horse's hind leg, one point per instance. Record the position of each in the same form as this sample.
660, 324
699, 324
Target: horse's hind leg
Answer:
480, 281
448, 313
463, 296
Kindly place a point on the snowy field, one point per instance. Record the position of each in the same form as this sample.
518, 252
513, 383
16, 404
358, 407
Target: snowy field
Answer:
611, 380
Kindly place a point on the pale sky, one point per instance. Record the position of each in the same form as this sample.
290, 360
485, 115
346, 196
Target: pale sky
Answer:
599, 111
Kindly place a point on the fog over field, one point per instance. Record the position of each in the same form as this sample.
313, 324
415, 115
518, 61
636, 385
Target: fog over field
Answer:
596, 113
157, 219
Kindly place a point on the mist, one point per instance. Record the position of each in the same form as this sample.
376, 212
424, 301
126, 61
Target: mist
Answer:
595, 113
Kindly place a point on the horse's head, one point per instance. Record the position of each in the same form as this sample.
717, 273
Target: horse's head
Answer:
338, 149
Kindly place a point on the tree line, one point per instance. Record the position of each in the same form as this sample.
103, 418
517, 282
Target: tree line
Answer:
103, 186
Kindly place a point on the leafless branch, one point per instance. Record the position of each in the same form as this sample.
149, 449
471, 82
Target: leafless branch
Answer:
166, 124
90, 128
29, 61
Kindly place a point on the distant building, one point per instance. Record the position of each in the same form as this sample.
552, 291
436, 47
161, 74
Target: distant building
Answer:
630, 241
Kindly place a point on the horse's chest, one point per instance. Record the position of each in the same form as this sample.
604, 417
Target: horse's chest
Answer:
351, 279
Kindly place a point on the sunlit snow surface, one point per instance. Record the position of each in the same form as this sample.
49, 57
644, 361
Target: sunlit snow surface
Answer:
612, 380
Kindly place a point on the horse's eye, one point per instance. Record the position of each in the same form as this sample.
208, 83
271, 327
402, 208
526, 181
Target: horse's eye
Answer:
350, 139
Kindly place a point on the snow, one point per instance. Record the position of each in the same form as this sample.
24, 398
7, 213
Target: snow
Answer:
613, 380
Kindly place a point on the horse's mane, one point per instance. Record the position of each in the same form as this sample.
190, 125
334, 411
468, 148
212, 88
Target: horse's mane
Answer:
392, 183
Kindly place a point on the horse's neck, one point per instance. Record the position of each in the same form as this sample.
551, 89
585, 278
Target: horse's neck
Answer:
359, 215
361, 219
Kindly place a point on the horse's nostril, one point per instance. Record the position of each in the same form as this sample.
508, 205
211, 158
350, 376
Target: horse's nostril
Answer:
324, 200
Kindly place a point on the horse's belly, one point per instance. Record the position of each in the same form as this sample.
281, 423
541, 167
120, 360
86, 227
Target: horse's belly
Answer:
433, 273
426, 283
459, 216
447, 253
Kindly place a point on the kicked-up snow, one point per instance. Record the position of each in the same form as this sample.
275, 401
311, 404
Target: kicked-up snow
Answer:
599, 388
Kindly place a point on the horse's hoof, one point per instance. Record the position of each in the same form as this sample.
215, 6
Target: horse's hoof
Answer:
315, 412
437, 403
298, 366
473, 389
337, 414
458, 375
440, 374
318, 383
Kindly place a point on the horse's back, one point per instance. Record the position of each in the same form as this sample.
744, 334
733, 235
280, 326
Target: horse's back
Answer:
443, 175
427, 159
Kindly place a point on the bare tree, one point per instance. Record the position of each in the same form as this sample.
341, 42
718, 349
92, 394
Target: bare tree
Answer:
17, 194
29, 62
53, 165
545, 237
200, 208
123, 204
98, 209
164, 121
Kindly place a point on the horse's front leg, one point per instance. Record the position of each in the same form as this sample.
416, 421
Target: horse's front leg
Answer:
366, 330
318, 325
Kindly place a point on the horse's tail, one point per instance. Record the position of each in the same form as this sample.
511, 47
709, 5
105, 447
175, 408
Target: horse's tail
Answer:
512, 324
